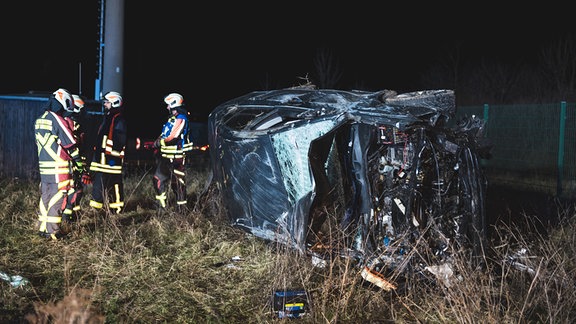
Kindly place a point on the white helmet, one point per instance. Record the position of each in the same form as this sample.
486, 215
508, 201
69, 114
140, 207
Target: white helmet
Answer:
114, 97
64, 98
174, 100
78, 103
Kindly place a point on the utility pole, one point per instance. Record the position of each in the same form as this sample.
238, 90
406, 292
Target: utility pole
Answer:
110, 74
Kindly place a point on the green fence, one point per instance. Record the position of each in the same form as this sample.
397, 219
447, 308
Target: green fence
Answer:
534, 146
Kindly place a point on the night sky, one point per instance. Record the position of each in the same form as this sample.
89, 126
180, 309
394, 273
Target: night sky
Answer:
212, 52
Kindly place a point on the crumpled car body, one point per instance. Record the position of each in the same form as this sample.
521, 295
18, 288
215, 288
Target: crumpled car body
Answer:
384, 167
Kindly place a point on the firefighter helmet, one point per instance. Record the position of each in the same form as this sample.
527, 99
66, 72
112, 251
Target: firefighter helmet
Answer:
64, 97
78, 103
174, 100
113, 97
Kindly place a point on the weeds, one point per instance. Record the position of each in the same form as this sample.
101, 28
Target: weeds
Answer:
143, 267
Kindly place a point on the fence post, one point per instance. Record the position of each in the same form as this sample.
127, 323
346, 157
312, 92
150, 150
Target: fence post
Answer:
561, 148
486, 110
483, 162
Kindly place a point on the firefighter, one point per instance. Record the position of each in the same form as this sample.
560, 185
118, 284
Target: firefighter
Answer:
58, 159
171, 146
76, 192
107, 163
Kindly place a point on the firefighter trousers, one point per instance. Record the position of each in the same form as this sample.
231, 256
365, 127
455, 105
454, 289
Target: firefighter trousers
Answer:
170, 174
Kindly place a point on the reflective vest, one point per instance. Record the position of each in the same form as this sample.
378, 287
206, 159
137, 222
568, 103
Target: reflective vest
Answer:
111, 142
174, 140
57, 147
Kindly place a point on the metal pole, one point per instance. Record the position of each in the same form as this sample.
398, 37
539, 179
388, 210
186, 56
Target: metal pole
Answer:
98, 81
113, 73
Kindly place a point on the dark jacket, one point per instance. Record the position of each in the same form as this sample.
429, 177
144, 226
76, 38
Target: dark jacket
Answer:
110, 143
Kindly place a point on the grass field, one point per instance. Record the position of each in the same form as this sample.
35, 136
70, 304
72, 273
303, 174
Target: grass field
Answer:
145, 267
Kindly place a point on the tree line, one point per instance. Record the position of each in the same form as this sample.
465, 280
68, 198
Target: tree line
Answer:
550, 76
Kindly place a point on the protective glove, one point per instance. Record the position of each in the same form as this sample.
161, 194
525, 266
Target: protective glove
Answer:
78, 167
87, 178
77, 170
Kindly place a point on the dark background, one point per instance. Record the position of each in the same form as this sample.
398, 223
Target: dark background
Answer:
213, 52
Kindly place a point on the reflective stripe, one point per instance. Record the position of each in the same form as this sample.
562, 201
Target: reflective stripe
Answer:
101, 164
104, 168
104, 140
64, 185
170, 149
96, 204
173, 156
54, 167
117, 205
161, 199
53, 159
64, 127
117, 195
54, 164
50, 219
43, 124
188, 147
172, 152
43, 216
108, 148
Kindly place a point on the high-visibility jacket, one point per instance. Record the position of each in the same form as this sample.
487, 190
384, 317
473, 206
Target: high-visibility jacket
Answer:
110, 144
57, 147
174, 140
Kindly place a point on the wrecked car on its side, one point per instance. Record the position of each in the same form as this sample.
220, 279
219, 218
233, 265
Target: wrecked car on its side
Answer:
384, 167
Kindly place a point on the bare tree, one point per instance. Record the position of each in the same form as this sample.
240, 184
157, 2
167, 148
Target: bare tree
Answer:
445, 73
493, 81
558, 63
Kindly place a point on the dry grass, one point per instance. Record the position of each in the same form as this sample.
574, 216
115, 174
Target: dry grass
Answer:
144, 267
